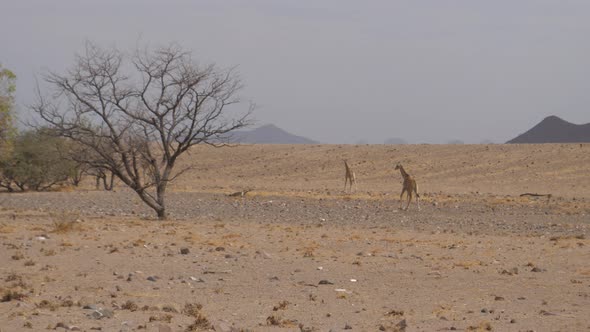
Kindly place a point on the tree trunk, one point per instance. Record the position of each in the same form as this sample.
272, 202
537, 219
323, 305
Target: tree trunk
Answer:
162, 214
108, 187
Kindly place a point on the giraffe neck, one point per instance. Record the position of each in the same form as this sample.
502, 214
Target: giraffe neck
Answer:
404, 174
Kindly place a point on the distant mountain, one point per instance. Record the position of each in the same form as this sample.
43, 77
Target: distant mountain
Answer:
395, 140
269, 134
455, 141
555, 130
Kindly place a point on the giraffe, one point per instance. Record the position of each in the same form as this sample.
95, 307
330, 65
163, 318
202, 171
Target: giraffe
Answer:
409, 187
349, 177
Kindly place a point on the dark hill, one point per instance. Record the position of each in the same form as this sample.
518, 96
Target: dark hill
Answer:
269, 134
555, 130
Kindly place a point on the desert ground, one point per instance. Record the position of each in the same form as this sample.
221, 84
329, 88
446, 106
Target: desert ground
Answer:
297, 253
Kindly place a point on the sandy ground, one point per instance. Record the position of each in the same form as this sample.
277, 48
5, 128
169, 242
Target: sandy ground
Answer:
298, 254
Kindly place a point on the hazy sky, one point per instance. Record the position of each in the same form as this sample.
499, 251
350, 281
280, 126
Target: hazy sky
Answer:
339, 71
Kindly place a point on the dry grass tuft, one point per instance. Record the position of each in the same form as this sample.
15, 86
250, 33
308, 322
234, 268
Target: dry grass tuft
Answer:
46, 304
483, 326
276, 320
6, 229
192, 309
201, 323
161, 318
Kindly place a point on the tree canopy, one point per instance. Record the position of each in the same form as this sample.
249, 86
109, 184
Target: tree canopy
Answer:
136, 113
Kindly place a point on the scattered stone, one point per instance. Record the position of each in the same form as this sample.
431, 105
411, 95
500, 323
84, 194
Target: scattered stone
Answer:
498, 298
401, 325
184, 251
536, 269
220, 249
165, 328
101, 313
512, 321
510, 272
325, 282
347, 327
90, 307
222, 327
60, 324
152, 278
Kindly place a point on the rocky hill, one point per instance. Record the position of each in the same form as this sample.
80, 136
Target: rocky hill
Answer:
555, 130
269, 134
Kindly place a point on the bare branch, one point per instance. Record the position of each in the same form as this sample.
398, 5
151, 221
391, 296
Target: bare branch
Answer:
137, 113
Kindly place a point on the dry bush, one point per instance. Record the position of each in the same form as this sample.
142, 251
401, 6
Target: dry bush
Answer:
281, 306
64, 222
129, 305
161, 318
169, 308
201, 323
49, 252
46, 304
11, 295
276, 320
192, 309
13, 277
483, 326
139, 243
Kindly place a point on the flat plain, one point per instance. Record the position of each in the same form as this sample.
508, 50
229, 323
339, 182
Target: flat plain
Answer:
297, 253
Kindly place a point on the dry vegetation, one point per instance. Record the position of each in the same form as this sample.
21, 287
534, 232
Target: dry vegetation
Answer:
296, 253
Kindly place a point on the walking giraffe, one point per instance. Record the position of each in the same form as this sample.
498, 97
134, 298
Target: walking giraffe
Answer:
349, 177
409, 187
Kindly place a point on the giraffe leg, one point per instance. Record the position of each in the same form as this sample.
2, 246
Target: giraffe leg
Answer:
417, 199
345, 181
409, 199
400, 198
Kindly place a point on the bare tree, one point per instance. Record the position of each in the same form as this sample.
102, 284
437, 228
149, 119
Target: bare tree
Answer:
139, 112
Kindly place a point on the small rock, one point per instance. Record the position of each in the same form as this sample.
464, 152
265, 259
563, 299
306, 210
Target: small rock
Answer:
220, 249
325, 282
498, 298
95, 314
74, 328
184, 251
484, 311
90, 307
347, 327
152, 278
164, 328
60, 324
222, 327
107, 313
401, 325
512, 321
536, 269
